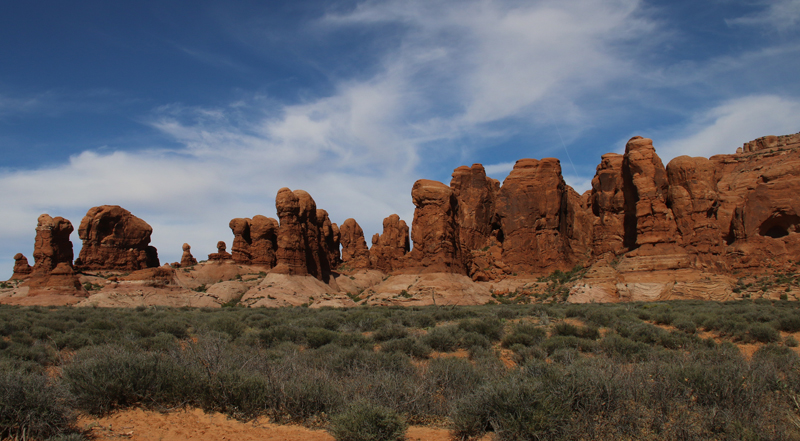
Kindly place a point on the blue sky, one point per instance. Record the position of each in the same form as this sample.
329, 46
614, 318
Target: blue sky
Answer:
190, 113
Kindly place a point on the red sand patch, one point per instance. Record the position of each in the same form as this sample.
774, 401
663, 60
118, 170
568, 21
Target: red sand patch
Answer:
195, 424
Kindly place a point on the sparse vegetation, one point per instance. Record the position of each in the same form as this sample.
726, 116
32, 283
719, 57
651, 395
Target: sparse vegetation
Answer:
537, 371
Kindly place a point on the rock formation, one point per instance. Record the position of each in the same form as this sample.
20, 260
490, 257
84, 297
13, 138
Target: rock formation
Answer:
355, 253
435, 229
302, 248
389, 248
115, 239
52, 245
531, 208
22, 270
186, 258
608, 206
255, 241
221, 254
330, 236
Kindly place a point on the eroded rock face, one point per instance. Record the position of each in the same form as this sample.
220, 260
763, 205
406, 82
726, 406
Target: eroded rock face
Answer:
22, 270
52, 244
329, 232
186, 258
435, 229
476, 194
608, 206
531, 206
221, 254
694, 202
355, 253
301, 249
115, 239
389, 248
255, 241
648, 220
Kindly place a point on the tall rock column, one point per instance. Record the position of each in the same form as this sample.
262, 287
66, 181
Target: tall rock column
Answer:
608, 206
531, 207
355, 253
435, 229
291, 258
255, 241
52, 244
648, 219
476, 194
389, 248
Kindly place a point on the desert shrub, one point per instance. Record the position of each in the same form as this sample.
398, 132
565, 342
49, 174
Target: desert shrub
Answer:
473, 341
442, 338
791, 342
789, 323
104, 378
622, 348
239, 393
276, 335
557, 342
489, 327
366, 421
449, 379
685, 325
307, 393
524, 334
227, 324
32, 407
515, 407
390, 332
763, 333
316, 337
407, 345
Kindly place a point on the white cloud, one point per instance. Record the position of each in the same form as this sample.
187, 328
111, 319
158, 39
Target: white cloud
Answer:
780, 15
727, 126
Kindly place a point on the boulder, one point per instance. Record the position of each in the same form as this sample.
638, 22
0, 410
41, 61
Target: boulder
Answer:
115, 239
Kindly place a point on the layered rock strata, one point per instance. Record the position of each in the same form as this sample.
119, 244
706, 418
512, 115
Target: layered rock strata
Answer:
115, 239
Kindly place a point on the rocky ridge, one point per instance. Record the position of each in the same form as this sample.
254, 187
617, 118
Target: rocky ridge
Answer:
695, 228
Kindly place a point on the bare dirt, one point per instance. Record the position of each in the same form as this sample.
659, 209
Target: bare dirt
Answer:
197, 425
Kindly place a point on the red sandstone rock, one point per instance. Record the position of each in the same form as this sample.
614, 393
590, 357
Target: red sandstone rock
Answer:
476, 194
52, 244
329, 232
530, 207
113, 238
221, 253
255, 241
22, 270
694, 202
389, 248
434, 230
648, 220
61, 280
355, 253
300, 241
186, 258
608, 206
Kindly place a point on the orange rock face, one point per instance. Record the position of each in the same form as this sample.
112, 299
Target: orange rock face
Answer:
355, 253
608, 206
435, 229
186, 258
52, 244
530, 207
302, 248
389, 248
221, 254
22, 270
255, 241
113, 238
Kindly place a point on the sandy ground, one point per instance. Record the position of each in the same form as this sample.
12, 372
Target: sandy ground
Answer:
194, 424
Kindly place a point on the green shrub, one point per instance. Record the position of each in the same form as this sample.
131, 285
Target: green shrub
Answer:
366, 421
407, 345
32, 407
442, 338
764, 333
104, 378
524, 334
516, 408
390, 332
489, 327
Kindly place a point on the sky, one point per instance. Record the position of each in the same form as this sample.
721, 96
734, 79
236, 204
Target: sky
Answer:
191, 113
